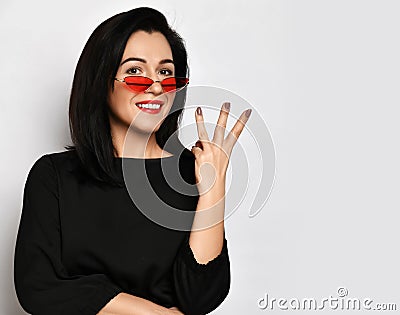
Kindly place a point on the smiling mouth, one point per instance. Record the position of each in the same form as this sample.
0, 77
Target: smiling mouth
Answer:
150, 106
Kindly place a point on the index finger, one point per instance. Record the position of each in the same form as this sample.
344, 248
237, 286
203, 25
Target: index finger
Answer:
201, 129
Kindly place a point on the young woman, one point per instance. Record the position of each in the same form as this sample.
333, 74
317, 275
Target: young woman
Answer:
84, 246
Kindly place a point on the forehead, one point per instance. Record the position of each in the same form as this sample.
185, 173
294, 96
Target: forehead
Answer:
152, 47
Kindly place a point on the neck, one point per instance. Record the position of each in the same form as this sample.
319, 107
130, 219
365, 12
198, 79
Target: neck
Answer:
129, 142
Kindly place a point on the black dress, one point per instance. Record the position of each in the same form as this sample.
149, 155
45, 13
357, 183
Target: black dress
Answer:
81, 242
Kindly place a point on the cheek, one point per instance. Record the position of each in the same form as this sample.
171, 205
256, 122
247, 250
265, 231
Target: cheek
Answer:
170, 100
120, 106
120, 100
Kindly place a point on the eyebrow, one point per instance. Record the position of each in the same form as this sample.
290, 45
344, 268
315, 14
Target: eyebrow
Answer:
163, 61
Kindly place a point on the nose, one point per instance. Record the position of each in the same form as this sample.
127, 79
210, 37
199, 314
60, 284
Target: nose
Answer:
156, 87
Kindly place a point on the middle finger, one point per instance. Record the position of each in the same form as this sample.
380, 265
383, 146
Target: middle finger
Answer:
219, 132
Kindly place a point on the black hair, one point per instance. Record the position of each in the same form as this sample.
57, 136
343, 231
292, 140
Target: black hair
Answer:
94, 76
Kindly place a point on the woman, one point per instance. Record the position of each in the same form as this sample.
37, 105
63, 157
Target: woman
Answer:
83, 244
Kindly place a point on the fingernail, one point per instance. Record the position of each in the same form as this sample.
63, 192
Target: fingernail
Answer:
248, 112
198, 111
227, 105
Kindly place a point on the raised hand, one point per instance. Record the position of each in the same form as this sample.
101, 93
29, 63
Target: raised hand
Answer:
212, 157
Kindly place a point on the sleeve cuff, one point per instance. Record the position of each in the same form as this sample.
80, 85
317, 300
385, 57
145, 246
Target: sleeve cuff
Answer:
102, 296
189, 259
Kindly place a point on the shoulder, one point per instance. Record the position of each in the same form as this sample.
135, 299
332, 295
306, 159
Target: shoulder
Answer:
51, 163
44, 173
61, 156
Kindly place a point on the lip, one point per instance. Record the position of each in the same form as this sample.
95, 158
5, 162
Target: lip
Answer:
151, 102
149, 110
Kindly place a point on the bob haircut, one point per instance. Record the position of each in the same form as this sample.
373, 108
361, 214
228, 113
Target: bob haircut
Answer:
94, 76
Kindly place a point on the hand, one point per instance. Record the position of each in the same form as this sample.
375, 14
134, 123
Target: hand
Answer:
213, 156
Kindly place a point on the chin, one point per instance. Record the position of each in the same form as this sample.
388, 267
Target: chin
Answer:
144, 128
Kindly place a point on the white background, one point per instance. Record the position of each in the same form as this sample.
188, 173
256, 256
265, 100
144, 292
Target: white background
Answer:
325, 77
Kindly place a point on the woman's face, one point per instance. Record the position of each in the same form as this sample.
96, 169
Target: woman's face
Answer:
146, 55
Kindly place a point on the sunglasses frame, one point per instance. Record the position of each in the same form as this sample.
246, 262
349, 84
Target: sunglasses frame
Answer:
141, 76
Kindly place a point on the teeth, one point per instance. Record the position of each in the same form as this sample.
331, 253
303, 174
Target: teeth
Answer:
151, 106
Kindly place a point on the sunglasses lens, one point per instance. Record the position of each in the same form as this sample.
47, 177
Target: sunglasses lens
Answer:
171, 84
181, 82
138, 84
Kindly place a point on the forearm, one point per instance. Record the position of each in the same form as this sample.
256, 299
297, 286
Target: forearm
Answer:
126, 304
207, 243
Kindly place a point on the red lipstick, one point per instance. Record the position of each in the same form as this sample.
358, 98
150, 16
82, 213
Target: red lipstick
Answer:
150, 106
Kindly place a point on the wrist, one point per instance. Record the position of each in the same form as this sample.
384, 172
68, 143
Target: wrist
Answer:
215, 188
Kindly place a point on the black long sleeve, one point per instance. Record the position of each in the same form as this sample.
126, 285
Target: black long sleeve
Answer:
42, 283
81, 242
201, 288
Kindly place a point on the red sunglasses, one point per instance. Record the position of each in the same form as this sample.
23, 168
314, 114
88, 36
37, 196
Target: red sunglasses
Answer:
141, 83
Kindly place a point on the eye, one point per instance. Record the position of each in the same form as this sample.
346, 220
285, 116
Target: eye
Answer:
166, 72
133, 70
